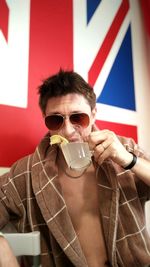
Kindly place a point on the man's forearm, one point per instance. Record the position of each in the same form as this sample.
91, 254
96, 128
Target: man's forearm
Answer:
142, 170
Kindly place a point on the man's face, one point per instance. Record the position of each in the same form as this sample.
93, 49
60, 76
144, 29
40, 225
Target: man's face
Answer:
67, 105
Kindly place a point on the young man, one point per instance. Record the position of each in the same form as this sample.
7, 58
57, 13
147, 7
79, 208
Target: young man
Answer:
93, 218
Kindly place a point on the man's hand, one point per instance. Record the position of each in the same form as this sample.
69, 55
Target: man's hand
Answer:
105, 144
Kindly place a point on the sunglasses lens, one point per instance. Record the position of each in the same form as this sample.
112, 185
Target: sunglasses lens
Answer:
81, 119
54, 122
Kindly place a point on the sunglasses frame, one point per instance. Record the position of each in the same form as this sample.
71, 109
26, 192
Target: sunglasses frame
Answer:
69, 116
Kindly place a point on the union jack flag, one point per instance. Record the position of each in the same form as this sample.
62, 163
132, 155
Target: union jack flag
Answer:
93, 37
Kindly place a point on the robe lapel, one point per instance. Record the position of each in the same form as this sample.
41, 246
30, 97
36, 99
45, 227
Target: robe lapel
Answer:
109, 199
52, 204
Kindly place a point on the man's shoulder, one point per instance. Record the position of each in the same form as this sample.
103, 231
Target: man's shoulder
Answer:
21, 166
22, 162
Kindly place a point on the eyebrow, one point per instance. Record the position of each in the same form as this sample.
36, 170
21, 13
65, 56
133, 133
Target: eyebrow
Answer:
58, 113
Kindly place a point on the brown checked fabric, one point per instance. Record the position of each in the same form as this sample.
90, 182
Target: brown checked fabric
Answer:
31, 198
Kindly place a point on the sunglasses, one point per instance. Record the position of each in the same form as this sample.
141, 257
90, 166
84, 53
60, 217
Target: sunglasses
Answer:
56, 121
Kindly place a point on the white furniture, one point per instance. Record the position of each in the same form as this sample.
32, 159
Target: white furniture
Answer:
25, 244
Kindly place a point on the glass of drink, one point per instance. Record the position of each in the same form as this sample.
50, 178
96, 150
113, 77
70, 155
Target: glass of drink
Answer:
77, 155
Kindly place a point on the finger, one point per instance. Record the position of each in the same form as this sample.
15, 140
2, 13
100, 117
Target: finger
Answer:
102, 157
95, 138
98, 151
101, 148
99, 135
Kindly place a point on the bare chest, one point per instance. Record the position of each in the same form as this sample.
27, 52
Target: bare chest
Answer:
83, 208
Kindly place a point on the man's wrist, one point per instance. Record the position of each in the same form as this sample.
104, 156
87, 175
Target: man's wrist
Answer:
132, 163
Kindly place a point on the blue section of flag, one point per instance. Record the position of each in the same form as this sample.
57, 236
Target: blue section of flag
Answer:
119, 87
91, 7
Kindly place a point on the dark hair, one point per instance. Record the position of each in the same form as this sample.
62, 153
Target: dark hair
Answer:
63, 83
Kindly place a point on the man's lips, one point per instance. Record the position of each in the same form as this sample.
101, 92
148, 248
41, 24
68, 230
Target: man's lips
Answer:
75, 139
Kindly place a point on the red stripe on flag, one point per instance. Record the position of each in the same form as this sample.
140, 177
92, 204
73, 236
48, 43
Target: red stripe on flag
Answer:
4, 14
145, 6
119, 129
51, 47
107, 43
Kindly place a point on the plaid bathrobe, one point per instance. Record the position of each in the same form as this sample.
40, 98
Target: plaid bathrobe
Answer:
31, 198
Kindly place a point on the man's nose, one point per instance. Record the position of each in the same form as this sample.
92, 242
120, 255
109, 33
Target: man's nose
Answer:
68, 127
